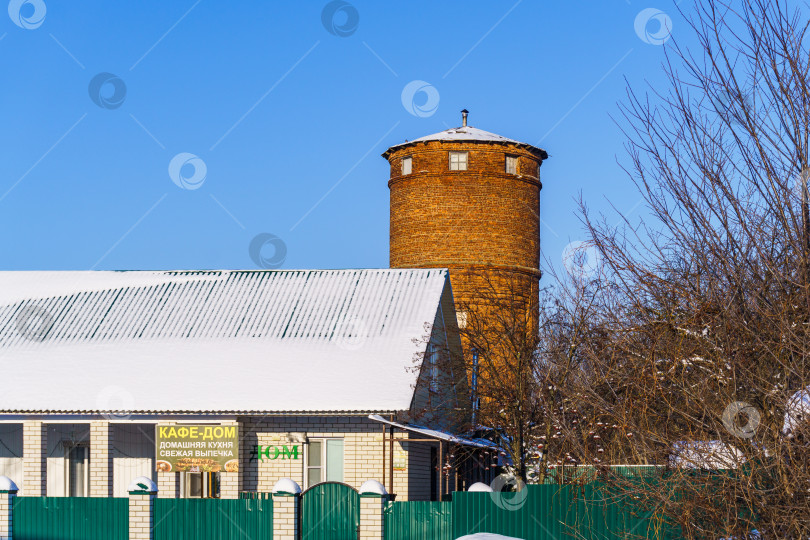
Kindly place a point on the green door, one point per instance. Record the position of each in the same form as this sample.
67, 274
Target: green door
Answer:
330, 511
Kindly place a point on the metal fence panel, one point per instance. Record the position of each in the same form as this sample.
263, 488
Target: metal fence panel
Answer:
255, 495
213, 519
419, 519
554, 511
586, 511
70, 518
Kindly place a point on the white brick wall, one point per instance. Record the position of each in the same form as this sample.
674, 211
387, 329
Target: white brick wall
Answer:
35, 444
366, 457
168, 485
141, 517
285, 518
228, 485
6, 500
371, 518
364, 454
101, 459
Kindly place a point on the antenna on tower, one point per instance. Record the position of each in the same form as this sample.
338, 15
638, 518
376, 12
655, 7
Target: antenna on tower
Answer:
464, 113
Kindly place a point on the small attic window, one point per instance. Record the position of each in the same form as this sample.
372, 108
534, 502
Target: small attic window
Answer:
407, 165
458, 161
433, 366
511, 164
461, 317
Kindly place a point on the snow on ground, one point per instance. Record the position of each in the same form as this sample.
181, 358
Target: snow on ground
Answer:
487, 536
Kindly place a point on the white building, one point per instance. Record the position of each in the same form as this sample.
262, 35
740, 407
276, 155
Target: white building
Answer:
316, 369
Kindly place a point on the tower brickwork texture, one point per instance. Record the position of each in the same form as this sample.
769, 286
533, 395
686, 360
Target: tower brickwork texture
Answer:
467, 200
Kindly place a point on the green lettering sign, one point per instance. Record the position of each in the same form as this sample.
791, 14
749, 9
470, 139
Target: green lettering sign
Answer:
274, 452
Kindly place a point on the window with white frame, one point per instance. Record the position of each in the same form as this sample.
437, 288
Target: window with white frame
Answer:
458, 161
199, 485
461, 317
433, 367
407, 165
511, 164
324, 461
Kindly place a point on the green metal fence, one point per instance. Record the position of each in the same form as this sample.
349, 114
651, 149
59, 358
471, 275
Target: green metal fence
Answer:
70, 518
255, 495
538, 512
419, 519
213, 519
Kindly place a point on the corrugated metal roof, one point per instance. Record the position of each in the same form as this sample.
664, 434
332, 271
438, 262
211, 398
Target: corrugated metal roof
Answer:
298, 305
331, 339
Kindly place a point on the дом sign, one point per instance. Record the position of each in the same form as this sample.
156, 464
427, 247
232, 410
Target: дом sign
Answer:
277, 452
197, 448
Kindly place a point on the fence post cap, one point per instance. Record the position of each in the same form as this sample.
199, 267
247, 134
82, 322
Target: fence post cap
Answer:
142, 485
7, 485
286, 487
372, 488
480, 487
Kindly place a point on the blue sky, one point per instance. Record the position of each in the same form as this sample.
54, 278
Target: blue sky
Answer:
290, 118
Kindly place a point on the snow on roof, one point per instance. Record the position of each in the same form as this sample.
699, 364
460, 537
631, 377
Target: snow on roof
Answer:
466, 133
436, 434
214, 341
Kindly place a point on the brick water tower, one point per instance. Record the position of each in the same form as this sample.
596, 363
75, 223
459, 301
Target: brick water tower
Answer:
467, 200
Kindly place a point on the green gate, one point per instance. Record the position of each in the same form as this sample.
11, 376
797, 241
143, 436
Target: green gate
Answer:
70, 518
330, 511
213, 519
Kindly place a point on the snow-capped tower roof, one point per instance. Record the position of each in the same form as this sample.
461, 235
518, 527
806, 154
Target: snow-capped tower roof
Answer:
465, 133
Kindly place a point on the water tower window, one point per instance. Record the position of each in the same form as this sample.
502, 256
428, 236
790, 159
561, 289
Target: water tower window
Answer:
511, 164
458, 161
407, 165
